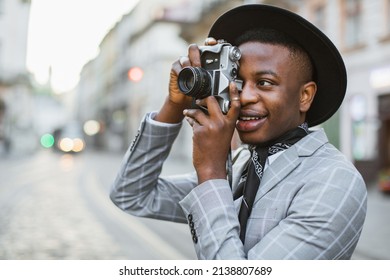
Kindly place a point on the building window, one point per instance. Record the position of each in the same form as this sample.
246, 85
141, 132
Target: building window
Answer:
384, 27
352, 22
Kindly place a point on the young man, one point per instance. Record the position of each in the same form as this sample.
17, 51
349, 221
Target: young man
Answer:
293, 196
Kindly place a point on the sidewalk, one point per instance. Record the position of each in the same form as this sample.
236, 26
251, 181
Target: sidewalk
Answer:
374, 243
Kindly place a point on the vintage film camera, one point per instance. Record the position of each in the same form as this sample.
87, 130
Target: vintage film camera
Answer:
219, 66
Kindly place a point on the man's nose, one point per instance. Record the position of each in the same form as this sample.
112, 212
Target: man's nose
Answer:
248, 95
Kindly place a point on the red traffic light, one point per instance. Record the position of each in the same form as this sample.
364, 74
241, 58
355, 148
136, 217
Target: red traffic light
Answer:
135, 74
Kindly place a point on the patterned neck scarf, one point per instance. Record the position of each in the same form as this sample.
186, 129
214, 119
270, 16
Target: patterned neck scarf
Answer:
251, 177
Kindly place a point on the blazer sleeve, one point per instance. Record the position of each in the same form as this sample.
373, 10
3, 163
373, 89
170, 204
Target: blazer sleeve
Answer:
213, 221
138, 188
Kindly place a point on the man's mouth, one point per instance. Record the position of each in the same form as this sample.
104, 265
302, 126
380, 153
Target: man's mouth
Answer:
243, 118
249, 123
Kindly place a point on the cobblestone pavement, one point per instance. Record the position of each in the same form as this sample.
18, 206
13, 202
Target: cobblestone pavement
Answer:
43, 217
56, 207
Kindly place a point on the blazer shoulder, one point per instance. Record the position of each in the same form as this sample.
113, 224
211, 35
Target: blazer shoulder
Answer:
308, 145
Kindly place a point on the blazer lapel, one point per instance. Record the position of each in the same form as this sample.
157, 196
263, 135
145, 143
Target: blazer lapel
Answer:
290, 160
240, 158
278, 170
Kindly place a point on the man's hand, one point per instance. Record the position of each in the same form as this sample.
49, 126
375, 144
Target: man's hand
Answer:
212, 135
176, 102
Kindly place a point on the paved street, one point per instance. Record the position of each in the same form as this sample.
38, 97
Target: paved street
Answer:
56, 206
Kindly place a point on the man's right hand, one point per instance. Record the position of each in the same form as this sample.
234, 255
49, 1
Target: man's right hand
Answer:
176, 102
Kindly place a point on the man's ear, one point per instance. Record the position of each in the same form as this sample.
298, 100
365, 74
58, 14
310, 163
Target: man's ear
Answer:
307, 96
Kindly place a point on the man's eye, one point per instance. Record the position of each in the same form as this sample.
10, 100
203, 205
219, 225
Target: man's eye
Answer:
264, 83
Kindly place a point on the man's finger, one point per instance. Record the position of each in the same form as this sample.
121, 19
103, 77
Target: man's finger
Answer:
194, 55
210, 41
235, 101
196, 115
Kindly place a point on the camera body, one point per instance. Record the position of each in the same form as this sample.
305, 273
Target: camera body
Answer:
219, 66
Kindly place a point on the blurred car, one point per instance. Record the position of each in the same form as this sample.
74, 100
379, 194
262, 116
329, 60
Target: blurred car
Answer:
70, 138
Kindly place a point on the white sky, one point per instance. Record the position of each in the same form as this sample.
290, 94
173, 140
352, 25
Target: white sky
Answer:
65, 34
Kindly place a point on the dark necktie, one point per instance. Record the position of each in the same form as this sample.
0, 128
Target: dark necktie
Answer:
251, 177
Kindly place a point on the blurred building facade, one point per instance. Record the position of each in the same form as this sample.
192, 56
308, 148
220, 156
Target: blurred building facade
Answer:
16, 110
155, 34
130, 75
365, 120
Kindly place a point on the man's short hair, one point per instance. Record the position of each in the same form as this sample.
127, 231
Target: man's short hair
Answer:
275, 37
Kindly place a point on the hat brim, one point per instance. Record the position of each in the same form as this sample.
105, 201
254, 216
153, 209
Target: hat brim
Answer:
331, 76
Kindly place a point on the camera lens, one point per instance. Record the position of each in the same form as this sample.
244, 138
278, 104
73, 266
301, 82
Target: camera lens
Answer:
195, 82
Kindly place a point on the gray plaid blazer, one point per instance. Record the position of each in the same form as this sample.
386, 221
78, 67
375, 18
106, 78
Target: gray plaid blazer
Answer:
311, 203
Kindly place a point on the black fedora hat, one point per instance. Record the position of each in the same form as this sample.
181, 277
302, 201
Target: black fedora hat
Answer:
331, 76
